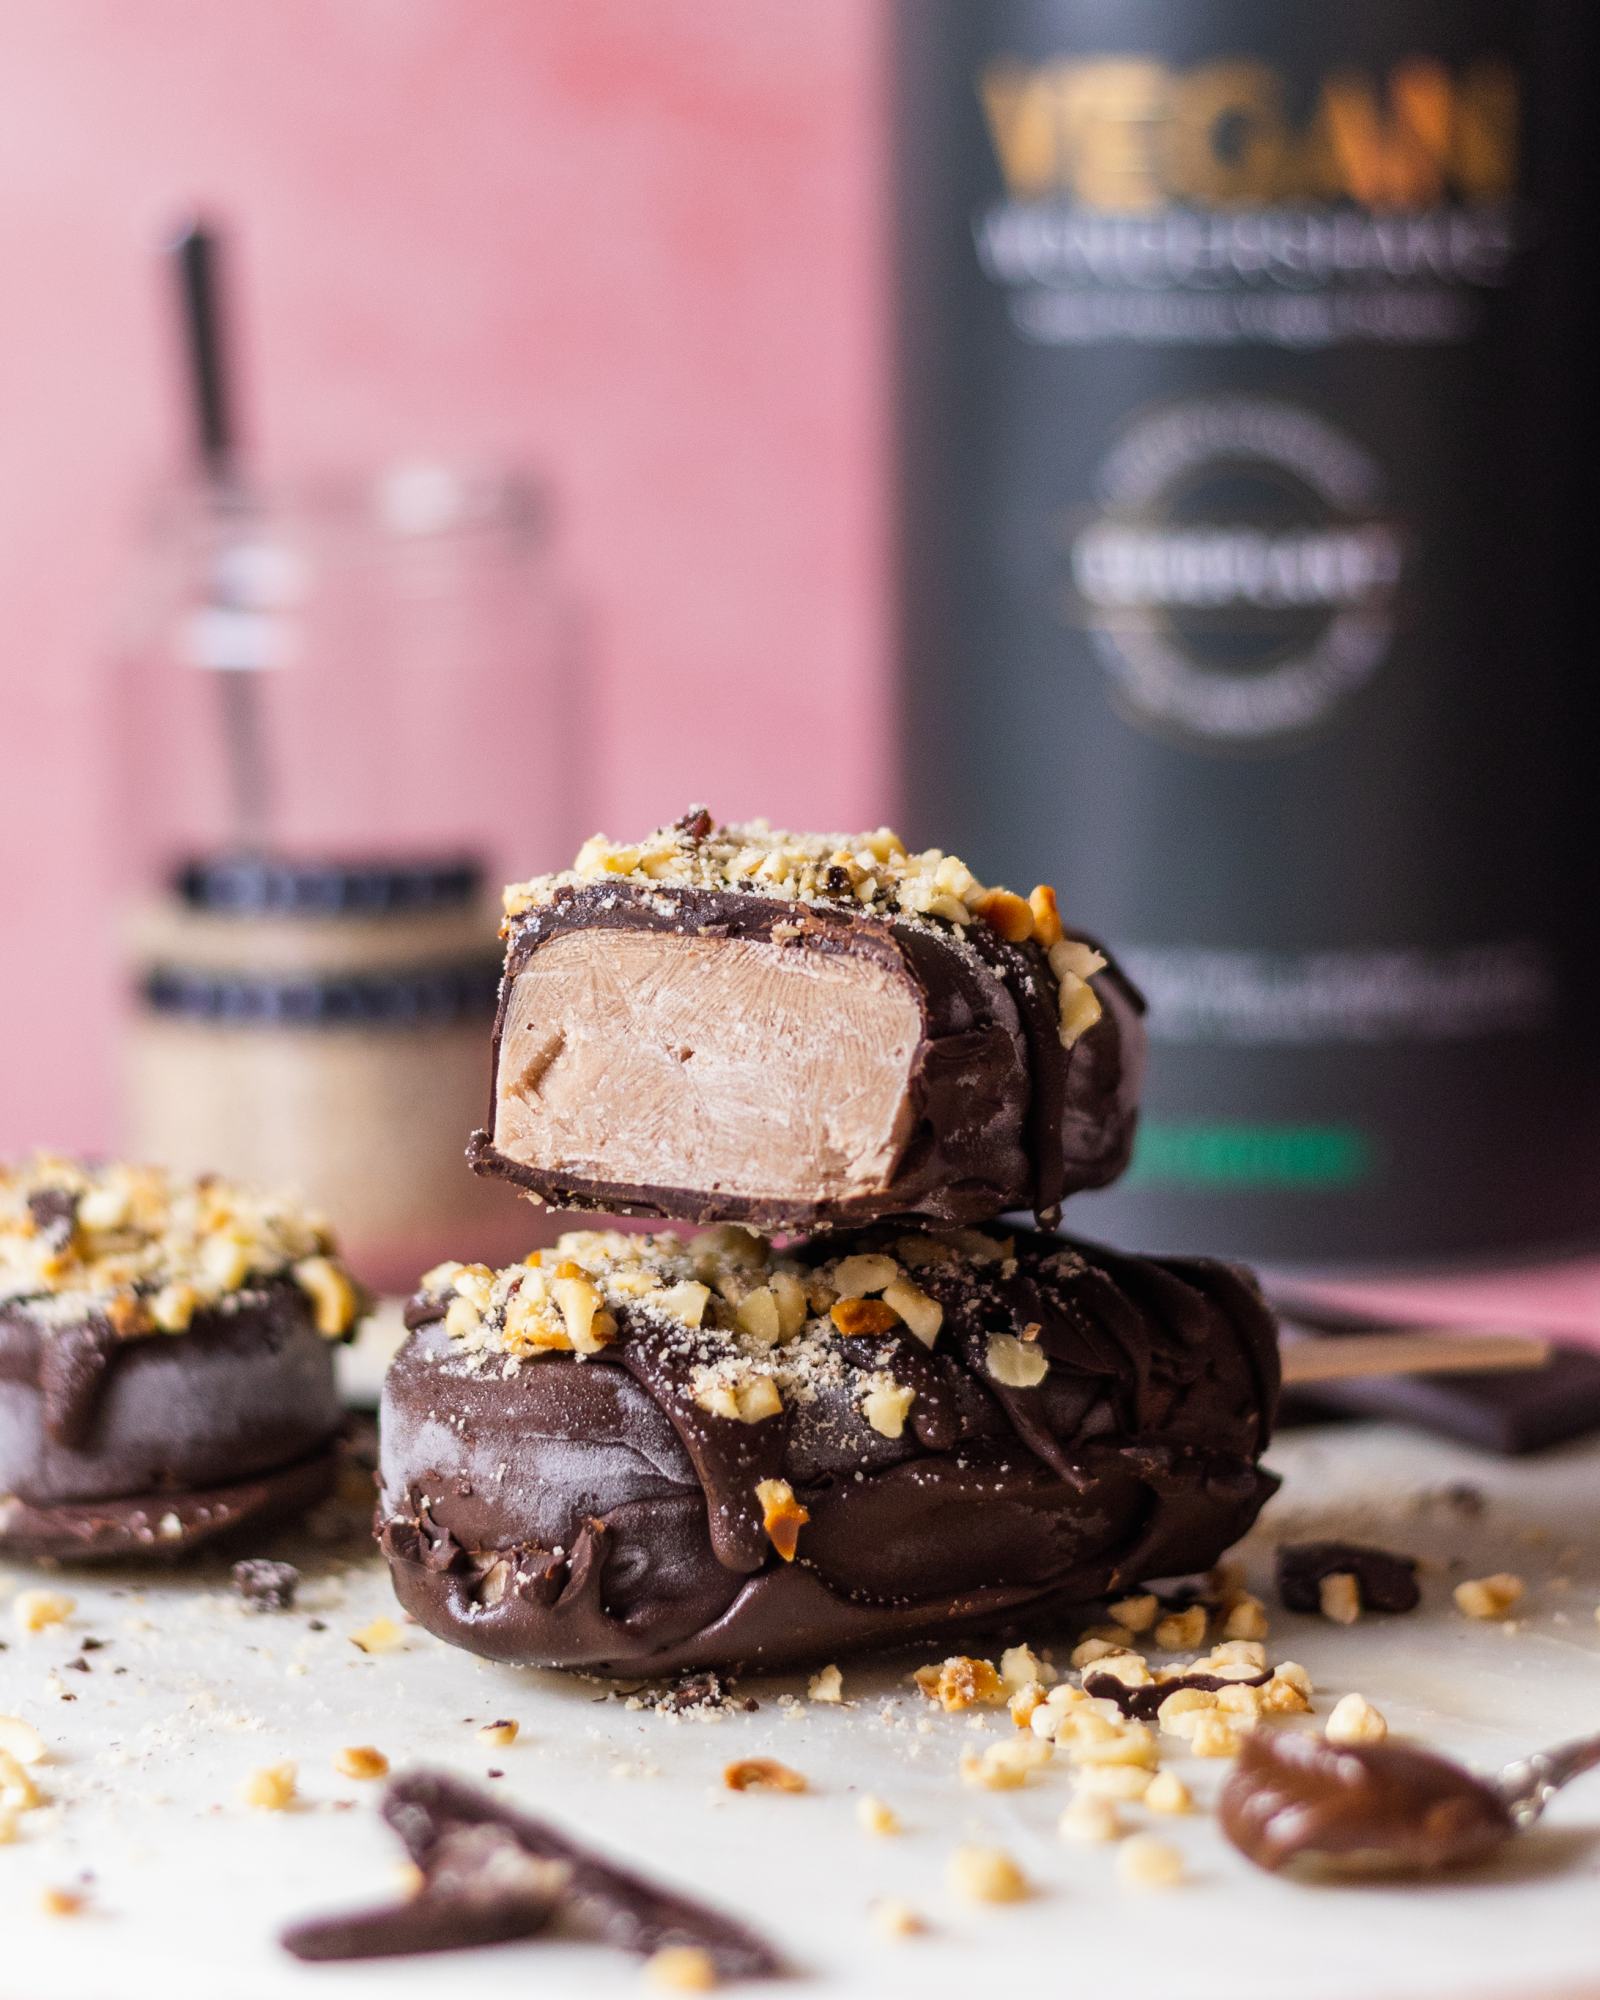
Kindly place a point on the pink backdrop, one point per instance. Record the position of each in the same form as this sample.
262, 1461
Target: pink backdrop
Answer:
638, 242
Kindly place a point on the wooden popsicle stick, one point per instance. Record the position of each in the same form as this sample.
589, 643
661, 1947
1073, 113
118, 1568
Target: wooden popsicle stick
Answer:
1332, 1358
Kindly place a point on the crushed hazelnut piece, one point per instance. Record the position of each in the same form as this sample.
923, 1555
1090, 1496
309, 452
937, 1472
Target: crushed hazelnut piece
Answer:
1004, 1766
271, 1789
1215, 1736
1090, 1819
335, 1302
866, 1272
1089, 1652
681, 1968
20, 1740
360, 1761
985, 1875
498, 1735
853, 1316
1167, 1793
1015, 1364
37, 1610
18, 1792
1489, 1596
826, 1685
1046, 915
1355, 1720
752, 1774
383, 1635
873, 1816
782, 1516
61, 1902
1246, 1618
961, 1682
1179, 1713
1136, 1614
1007, 914
1182, 1631
1132, 1743
1021, 1666
8, 1826
1122, 1782
1339, 1597
923, 1316
893, 1920
887, 1404
1144, 1862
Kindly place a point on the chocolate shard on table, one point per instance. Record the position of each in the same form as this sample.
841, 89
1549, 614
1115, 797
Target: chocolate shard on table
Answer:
727, 1023
645, 1455
166, 1360
488, 1874
1383, 1579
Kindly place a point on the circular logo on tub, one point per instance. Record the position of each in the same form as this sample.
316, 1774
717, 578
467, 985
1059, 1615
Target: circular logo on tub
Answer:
1238, 574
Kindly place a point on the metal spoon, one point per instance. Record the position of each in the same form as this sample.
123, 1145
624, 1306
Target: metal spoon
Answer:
1382, 1808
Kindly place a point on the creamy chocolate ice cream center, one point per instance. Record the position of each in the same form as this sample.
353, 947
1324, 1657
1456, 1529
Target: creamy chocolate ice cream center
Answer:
636, 1056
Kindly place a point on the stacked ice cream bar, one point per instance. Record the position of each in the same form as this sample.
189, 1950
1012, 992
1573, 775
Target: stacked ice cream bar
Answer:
889, 1415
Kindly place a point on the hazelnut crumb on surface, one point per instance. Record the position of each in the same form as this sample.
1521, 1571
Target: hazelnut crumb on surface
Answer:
271, 1789
1246, 1619
1167, 1793
961, 1682
1091, 1820
1122, 1782
1020, 1667
1136, 1614
360, 1761
750, 1774
1182, 1631
826, 1685
18, 1792
383, 1635
498, 1735
894, 1920
1355, 1720
1489, 1596
1004, 1766
1339, 1597
61, 1902
985, 1875
1215, 1735
21, 1740
1147, 1862
873, 1816
38, 1610
681, 1968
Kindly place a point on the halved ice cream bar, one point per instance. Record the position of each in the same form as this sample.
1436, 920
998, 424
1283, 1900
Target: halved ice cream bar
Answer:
730, 1023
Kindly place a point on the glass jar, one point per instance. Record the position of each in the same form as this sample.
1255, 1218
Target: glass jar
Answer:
344, 717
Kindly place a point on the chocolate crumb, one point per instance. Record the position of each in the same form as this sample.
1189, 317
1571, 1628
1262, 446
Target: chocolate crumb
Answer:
266, 1586
316, 1625
1384, 1580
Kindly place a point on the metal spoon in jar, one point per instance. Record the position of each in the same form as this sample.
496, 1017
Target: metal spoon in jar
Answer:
1382, 1808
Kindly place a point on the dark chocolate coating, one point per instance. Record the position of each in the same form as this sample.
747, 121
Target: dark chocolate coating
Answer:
1384, 1806
103, 1438
590, 1514
1004, 1117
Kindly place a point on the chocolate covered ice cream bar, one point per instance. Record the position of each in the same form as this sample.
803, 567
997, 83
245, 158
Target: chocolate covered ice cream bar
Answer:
166, 1360
794, 1031
650, 1454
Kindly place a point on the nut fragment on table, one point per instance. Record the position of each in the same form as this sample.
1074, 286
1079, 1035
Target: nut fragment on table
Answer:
1147, 1862
985, 1875
360, 1760
1489, 1596
875, 1817
681, 1968
961, 1682
271, 1789
762, 1774
38, 1610
1355, 1720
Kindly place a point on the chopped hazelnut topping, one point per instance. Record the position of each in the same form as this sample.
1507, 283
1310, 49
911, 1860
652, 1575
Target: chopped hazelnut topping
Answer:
886, 1405
985, 1875
271, 1789
867, 1272
855, 1316
37, 1610
1015, 1364
360, 1761
335, 1302
1007, 914
826, 1685
1144, 1862
751, 1774
1355, 1720
923, 1316
895, 1920
1489, 1596
782, 1516
1006, 1765
1167, 1793
1175, 1716
681, 1968
961, 1682
1090, 1819
1136, 1614
21, 1740
1182, 1631
873, 1816
1131, 1669
1089, 1652
1021, 1667
498, 1735
1339, 1597
1046, 915
383, 1635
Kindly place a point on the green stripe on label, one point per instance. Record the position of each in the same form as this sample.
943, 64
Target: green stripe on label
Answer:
1227, 1154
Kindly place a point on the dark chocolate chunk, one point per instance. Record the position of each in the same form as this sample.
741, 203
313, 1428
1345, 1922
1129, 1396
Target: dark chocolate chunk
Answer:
1144, 1703
266, 1586
719, 1055
490, 1874
1384, 1581
591, 1513
1294, 1798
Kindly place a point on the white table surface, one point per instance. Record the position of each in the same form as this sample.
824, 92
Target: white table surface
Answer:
186, 1888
